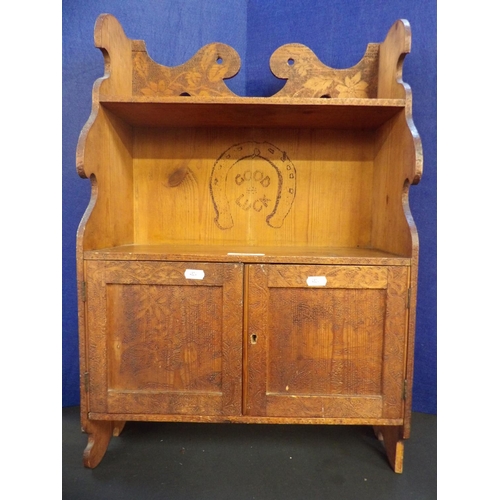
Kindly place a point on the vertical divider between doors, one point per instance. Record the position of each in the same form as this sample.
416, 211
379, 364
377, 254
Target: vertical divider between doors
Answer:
245, 339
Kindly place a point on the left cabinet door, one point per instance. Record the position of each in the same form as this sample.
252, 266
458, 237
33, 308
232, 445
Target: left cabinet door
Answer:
164, 338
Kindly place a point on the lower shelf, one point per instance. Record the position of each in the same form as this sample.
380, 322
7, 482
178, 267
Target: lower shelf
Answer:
247, 254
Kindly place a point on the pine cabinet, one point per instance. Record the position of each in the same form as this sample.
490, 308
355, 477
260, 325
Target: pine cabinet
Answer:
243, 259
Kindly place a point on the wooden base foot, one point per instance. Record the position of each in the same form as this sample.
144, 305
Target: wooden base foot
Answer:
391, 436
118, 428
99, 435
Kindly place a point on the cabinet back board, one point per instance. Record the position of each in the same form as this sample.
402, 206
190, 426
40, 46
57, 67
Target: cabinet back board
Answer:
252, 186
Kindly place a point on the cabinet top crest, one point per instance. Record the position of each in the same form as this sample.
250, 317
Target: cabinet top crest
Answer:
132, 76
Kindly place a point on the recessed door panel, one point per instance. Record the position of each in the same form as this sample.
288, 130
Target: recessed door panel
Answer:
326, 341
169, 335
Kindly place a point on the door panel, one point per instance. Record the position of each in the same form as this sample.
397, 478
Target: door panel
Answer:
326, 341
164, 339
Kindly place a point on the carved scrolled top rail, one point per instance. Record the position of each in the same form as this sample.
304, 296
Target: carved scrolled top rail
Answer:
132, 72
307, 76
202, 75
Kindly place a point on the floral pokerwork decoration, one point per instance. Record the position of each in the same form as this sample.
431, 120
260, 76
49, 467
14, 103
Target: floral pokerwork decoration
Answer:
307, 76
202, 75
353, 87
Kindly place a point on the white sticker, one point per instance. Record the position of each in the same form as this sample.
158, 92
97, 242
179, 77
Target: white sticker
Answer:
316, 281
246, 253
194, 274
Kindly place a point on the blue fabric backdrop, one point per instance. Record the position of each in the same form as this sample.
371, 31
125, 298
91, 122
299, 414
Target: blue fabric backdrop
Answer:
336, 30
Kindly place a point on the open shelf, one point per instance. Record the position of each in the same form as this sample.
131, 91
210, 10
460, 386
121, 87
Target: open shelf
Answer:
246, 254
253, 112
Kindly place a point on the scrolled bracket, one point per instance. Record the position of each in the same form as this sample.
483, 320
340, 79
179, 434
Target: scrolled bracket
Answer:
307, 76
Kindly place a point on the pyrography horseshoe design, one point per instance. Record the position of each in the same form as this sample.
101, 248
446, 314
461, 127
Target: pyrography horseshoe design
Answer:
285, 171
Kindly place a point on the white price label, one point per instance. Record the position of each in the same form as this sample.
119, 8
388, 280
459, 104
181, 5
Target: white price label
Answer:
194, 274
246, 253
316, 281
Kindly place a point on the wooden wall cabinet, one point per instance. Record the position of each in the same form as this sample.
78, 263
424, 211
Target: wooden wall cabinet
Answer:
248, 259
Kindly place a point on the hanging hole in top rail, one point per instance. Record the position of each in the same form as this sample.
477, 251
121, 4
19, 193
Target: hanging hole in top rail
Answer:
220, 60
291, 61
326, 96
185, 94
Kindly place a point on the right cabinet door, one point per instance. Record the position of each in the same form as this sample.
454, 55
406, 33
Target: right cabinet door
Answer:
326, 341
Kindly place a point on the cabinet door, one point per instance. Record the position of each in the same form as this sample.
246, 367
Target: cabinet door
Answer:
164, 338
326, 341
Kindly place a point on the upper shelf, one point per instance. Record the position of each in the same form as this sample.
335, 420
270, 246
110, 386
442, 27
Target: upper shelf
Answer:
253, 111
